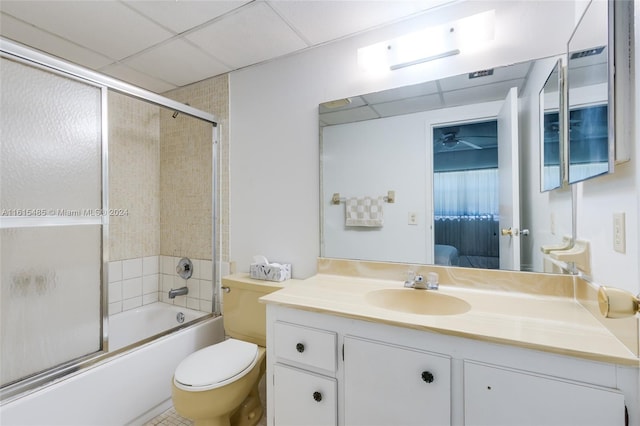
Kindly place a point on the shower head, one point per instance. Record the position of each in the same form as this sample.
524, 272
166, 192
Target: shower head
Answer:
175, 113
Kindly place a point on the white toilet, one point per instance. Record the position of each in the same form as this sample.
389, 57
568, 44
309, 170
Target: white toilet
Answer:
218, 385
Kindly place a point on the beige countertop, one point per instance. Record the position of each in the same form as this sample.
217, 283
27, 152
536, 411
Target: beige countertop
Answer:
549, 323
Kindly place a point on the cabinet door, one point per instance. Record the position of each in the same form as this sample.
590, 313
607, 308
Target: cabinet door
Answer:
302, 398
393, 385
496, 396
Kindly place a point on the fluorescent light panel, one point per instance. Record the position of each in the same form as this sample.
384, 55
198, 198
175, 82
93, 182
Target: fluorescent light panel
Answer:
464, 35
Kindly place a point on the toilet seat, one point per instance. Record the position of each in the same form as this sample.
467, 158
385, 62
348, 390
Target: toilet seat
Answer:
216, 365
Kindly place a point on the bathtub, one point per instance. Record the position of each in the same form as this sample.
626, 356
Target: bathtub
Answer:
128, 388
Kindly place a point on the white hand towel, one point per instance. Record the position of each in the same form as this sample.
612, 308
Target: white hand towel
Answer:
365, 211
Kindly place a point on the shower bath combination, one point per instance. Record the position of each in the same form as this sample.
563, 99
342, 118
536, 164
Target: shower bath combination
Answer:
62, 308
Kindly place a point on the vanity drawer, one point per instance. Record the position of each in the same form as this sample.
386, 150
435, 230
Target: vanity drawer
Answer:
305, 346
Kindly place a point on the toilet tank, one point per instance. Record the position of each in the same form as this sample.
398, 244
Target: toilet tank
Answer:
244, 317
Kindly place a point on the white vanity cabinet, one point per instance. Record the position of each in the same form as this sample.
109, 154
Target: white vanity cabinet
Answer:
304, 398
305, 388
395, 385
498, 396
370, 373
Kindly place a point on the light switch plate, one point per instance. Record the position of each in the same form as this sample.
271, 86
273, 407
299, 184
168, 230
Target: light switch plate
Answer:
619, 239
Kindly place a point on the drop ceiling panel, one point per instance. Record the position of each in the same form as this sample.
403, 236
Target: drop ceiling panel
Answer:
177, 62
321, 21
253, 34
96, 25
29, 35
137, 78
179, 16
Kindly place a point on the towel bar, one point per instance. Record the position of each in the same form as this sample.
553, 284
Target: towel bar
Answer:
389, 198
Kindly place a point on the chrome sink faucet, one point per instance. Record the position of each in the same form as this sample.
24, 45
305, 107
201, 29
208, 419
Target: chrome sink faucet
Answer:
417, 281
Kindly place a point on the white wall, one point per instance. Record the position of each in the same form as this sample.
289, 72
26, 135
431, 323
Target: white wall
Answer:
274, 123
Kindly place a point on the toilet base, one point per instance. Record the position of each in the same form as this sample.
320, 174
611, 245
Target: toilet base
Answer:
209, 408
250, 411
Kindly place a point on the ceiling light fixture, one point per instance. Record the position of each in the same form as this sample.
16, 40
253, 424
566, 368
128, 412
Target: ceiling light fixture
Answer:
461, 36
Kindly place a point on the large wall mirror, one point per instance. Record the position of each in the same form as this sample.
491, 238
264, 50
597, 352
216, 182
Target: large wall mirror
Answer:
590, 95
438, 160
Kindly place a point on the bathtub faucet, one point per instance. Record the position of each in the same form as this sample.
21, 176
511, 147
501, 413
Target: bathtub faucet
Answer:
178, 292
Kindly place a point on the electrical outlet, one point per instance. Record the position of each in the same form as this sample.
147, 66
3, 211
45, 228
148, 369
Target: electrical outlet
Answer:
413, 218
619, 240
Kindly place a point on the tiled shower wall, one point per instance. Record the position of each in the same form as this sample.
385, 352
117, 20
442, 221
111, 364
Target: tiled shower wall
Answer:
137, 282
212, 96
160, 172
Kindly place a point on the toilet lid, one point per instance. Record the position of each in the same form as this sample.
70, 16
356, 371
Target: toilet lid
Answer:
215, 365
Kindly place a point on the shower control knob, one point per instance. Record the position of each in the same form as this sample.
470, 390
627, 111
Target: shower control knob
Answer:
317, 396
300, 347
427, 376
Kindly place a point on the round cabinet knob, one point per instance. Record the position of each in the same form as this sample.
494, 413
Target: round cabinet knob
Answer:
317, 396
300, 347
427, 376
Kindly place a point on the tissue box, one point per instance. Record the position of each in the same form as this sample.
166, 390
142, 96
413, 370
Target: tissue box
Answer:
270, 272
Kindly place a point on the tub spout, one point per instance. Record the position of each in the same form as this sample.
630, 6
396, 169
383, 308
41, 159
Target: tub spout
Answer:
178, 292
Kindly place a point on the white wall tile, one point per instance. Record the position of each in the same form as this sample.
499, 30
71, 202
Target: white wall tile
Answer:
150, 298
180, 301
205, 306
167, 283
115, 308
206, 290
115, 292
150, 284
132, 303
150, 265
132, 288
115, 271
131, 268
194, 288
193, 303
167, 265
196, 268
206, 270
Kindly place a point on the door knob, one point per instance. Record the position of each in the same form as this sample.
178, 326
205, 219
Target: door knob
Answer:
514, 232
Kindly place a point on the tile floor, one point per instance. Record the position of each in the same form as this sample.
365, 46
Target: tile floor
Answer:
169, 418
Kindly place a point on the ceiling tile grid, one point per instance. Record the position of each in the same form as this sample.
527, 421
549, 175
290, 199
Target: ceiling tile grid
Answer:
163, 44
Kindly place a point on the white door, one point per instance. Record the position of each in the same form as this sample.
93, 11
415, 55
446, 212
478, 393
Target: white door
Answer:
509, 178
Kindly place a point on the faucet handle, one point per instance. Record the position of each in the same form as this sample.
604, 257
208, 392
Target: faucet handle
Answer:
409, 282
432, 281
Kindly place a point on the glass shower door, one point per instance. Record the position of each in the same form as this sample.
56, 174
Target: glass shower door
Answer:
51, 223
